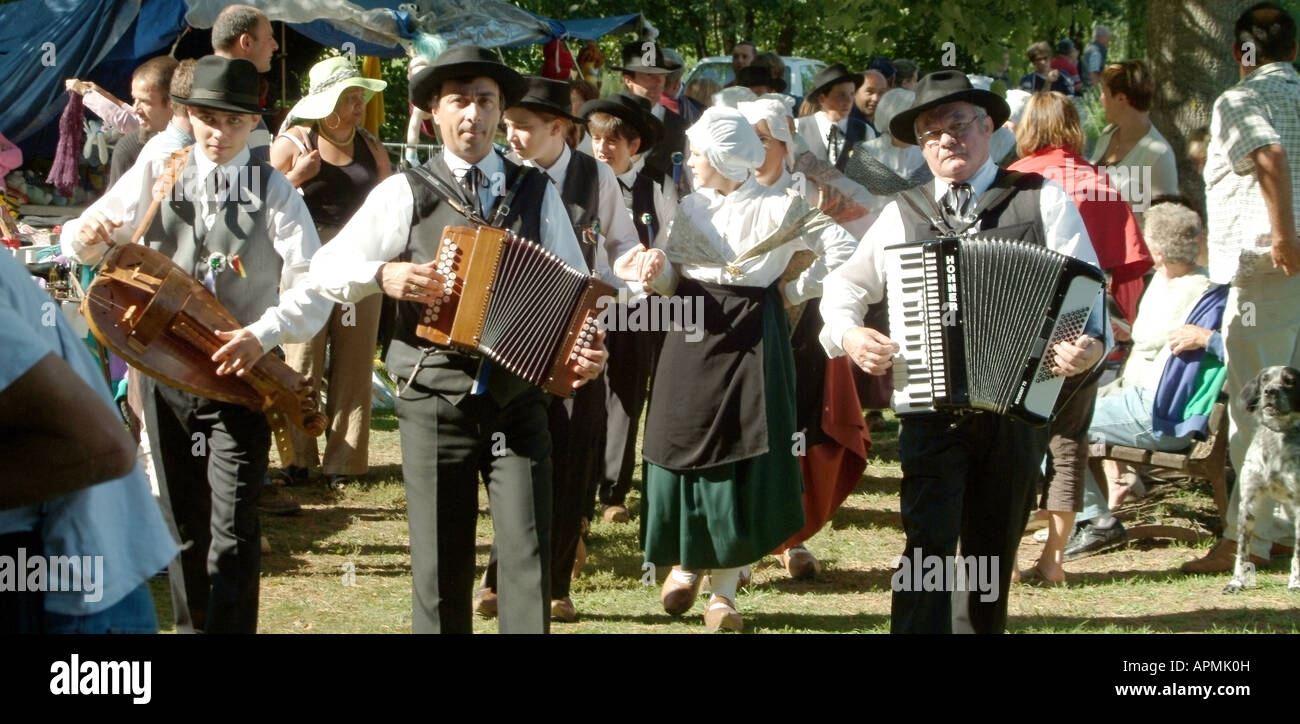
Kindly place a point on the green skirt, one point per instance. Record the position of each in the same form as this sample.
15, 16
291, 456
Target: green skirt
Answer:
733, 514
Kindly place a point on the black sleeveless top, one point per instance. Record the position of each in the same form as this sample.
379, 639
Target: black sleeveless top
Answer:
335, 193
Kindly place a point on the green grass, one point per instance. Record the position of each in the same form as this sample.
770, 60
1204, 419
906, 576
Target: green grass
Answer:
1137, 589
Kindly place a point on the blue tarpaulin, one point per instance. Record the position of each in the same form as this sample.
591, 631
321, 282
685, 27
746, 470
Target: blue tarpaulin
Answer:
48, 41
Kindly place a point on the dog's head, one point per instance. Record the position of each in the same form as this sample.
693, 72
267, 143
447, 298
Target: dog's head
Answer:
1274, 398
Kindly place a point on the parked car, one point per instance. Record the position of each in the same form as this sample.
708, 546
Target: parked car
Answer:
799, 72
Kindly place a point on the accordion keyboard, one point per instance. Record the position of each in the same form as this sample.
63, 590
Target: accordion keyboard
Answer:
915, 319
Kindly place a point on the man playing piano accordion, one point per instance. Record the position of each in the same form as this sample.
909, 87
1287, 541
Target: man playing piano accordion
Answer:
457, 416
966, 477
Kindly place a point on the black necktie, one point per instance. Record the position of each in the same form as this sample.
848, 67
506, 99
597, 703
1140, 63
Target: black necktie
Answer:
470, 183
834, 143
956, 204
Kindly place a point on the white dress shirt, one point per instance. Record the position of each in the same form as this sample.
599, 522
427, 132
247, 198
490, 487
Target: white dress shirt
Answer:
824, 124
346, 269
301, 311
616, 228
861, 281
742, 219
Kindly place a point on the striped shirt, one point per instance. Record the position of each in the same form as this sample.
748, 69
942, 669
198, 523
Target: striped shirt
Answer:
1262, 109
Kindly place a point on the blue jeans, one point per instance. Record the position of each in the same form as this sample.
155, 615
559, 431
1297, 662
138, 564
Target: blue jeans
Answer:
1123, 419
134, 614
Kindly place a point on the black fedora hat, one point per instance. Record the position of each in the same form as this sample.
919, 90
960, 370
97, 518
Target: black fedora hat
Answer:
225, 84
466, 61
750, 76
547, 96
631, 109
939, 88
832, 74
635, 55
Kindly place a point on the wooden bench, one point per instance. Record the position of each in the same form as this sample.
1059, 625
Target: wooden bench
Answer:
1206, 460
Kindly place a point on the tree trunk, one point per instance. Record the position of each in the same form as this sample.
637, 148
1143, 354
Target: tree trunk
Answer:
785, 38
1189, 49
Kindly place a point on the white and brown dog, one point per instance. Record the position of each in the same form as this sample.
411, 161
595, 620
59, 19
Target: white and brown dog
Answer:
1272, 465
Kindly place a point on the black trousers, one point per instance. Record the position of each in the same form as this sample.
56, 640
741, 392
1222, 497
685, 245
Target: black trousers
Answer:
577, 428
213, 460
969, 479
627, 382
445, 447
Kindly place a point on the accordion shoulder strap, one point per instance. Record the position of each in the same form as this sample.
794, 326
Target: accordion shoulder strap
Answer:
923, 204
1004, 186
442, 190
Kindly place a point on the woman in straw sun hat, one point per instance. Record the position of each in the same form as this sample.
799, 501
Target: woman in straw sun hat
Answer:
335, 163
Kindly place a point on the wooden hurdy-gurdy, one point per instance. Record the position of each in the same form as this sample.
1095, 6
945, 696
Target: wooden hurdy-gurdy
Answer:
513, 302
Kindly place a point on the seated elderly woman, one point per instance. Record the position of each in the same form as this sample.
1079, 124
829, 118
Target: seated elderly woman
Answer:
1178, 318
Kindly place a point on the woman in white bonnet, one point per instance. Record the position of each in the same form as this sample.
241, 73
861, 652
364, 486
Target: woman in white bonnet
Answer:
722, 477
827, 408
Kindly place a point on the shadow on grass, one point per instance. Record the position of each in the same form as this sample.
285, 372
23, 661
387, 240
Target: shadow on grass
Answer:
1200, 621
866, 518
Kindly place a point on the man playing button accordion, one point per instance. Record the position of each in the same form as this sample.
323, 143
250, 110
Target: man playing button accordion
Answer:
966, 477
460, 415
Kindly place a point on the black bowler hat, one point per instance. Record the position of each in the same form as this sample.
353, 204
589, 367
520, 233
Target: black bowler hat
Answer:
465, 61
226, 84
635, 54
751, 75
833, 74
548, 96
942, 87
631, 109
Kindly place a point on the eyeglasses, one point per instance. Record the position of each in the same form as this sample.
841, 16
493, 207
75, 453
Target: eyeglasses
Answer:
957, 129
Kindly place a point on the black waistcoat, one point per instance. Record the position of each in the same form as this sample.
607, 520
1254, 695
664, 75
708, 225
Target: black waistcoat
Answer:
1014, 217
443, 371
581, 196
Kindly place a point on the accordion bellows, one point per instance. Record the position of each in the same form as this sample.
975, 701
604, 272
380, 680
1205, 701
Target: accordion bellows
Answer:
975, 320
513, 302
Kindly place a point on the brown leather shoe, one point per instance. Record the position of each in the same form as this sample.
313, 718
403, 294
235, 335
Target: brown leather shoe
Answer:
562, 609
1221, 558
678, 597
485, 603
616, 514
721, 615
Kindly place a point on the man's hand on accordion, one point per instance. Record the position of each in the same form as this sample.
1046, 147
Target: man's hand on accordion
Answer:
590, 360
409, 282
870, 350
1077, 357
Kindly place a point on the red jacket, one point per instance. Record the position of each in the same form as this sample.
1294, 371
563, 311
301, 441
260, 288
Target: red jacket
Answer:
1115, 234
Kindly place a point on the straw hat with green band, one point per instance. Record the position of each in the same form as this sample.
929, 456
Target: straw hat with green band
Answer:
328, 79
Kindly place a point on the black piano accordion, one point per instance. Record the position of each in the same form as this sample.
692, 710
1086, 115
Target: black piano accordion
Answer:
975, 319
513, 302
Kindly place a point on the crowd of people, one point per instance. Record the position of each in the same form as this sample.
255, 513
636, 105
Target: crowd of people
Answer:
744, 201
